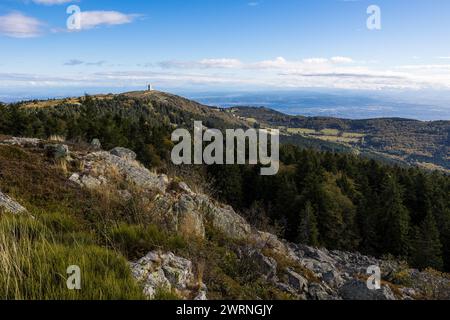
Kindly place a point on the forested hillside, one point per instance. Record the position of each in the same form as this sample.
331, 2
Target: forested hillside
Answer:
339, 201
411, 142
344, 202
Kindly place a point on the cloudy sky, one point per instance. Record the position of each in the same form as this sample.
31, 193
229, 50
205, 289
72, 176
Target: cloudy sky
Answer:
224, 44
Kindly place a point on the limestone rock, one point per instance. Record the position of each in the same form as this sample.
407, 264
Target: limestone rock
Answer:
23, 142
104, 163
58, 151
317, 291
332, 278
267, 266
189, 219
202, 295
88, 181
96, 144
358, 290
270, 241
296, 281
166, 271
75, 178
9, 205
123, 153
228, 221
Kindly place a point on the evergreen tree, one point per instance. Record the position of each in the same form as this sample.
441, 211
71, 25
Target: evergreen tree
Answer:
427, 247
308, 232
394, 219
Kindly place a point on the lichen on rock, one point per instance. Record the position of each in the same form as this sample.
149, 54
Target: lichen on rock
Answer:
168, 272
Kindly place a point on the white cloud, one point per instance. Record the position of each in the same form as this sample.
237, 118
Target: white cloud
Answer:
51, 2
422, 67
232, 73
315, 60
223, 63
279, 62
341, 60
17, 25
282, 63
92, 19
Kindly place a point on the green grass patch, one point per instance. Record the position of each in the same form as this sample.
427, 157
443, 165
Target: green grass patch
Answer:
34, 266
134, 241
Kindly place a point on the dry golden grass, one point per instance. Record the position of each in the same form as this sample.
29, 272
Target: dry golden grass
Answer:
57, 138
353, 135
339, 139
330, 132
301, 131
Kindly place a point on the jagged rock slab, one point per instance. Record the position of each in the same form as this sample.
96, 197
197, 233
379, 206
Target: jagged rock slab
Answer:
225, 219
9, 205
123, 153
189, 218
134, 172
23, 142
165, 271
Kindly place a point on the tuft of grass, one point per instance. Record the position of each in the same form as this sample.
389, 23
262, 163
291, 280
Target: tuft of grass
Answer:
134, 241
57, 138
165, 294
34, 266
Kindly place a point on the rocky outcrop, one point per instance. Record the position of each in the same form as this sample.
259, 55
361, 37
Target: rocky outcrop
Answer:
296, 281
58, 151
104, 163
189, 218
96, 144
23, 142
357, 290
88, 181
226, 220
322, 274
267, 266
168, 273
9, 205
185, 211
123, 153
302, 272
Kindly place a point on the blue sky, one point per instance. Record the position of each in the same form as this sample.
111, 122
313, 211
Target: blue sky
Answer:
225, 44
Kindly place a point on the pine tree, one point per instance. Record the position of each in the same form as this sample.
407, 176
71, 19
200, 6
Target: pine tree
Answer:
394, 219
427, 248
308, 232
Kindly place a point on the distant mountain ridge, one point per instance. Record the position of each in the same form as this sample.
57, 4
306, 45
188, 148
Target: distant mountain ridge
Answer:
395, 140
422, 143
339, 104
